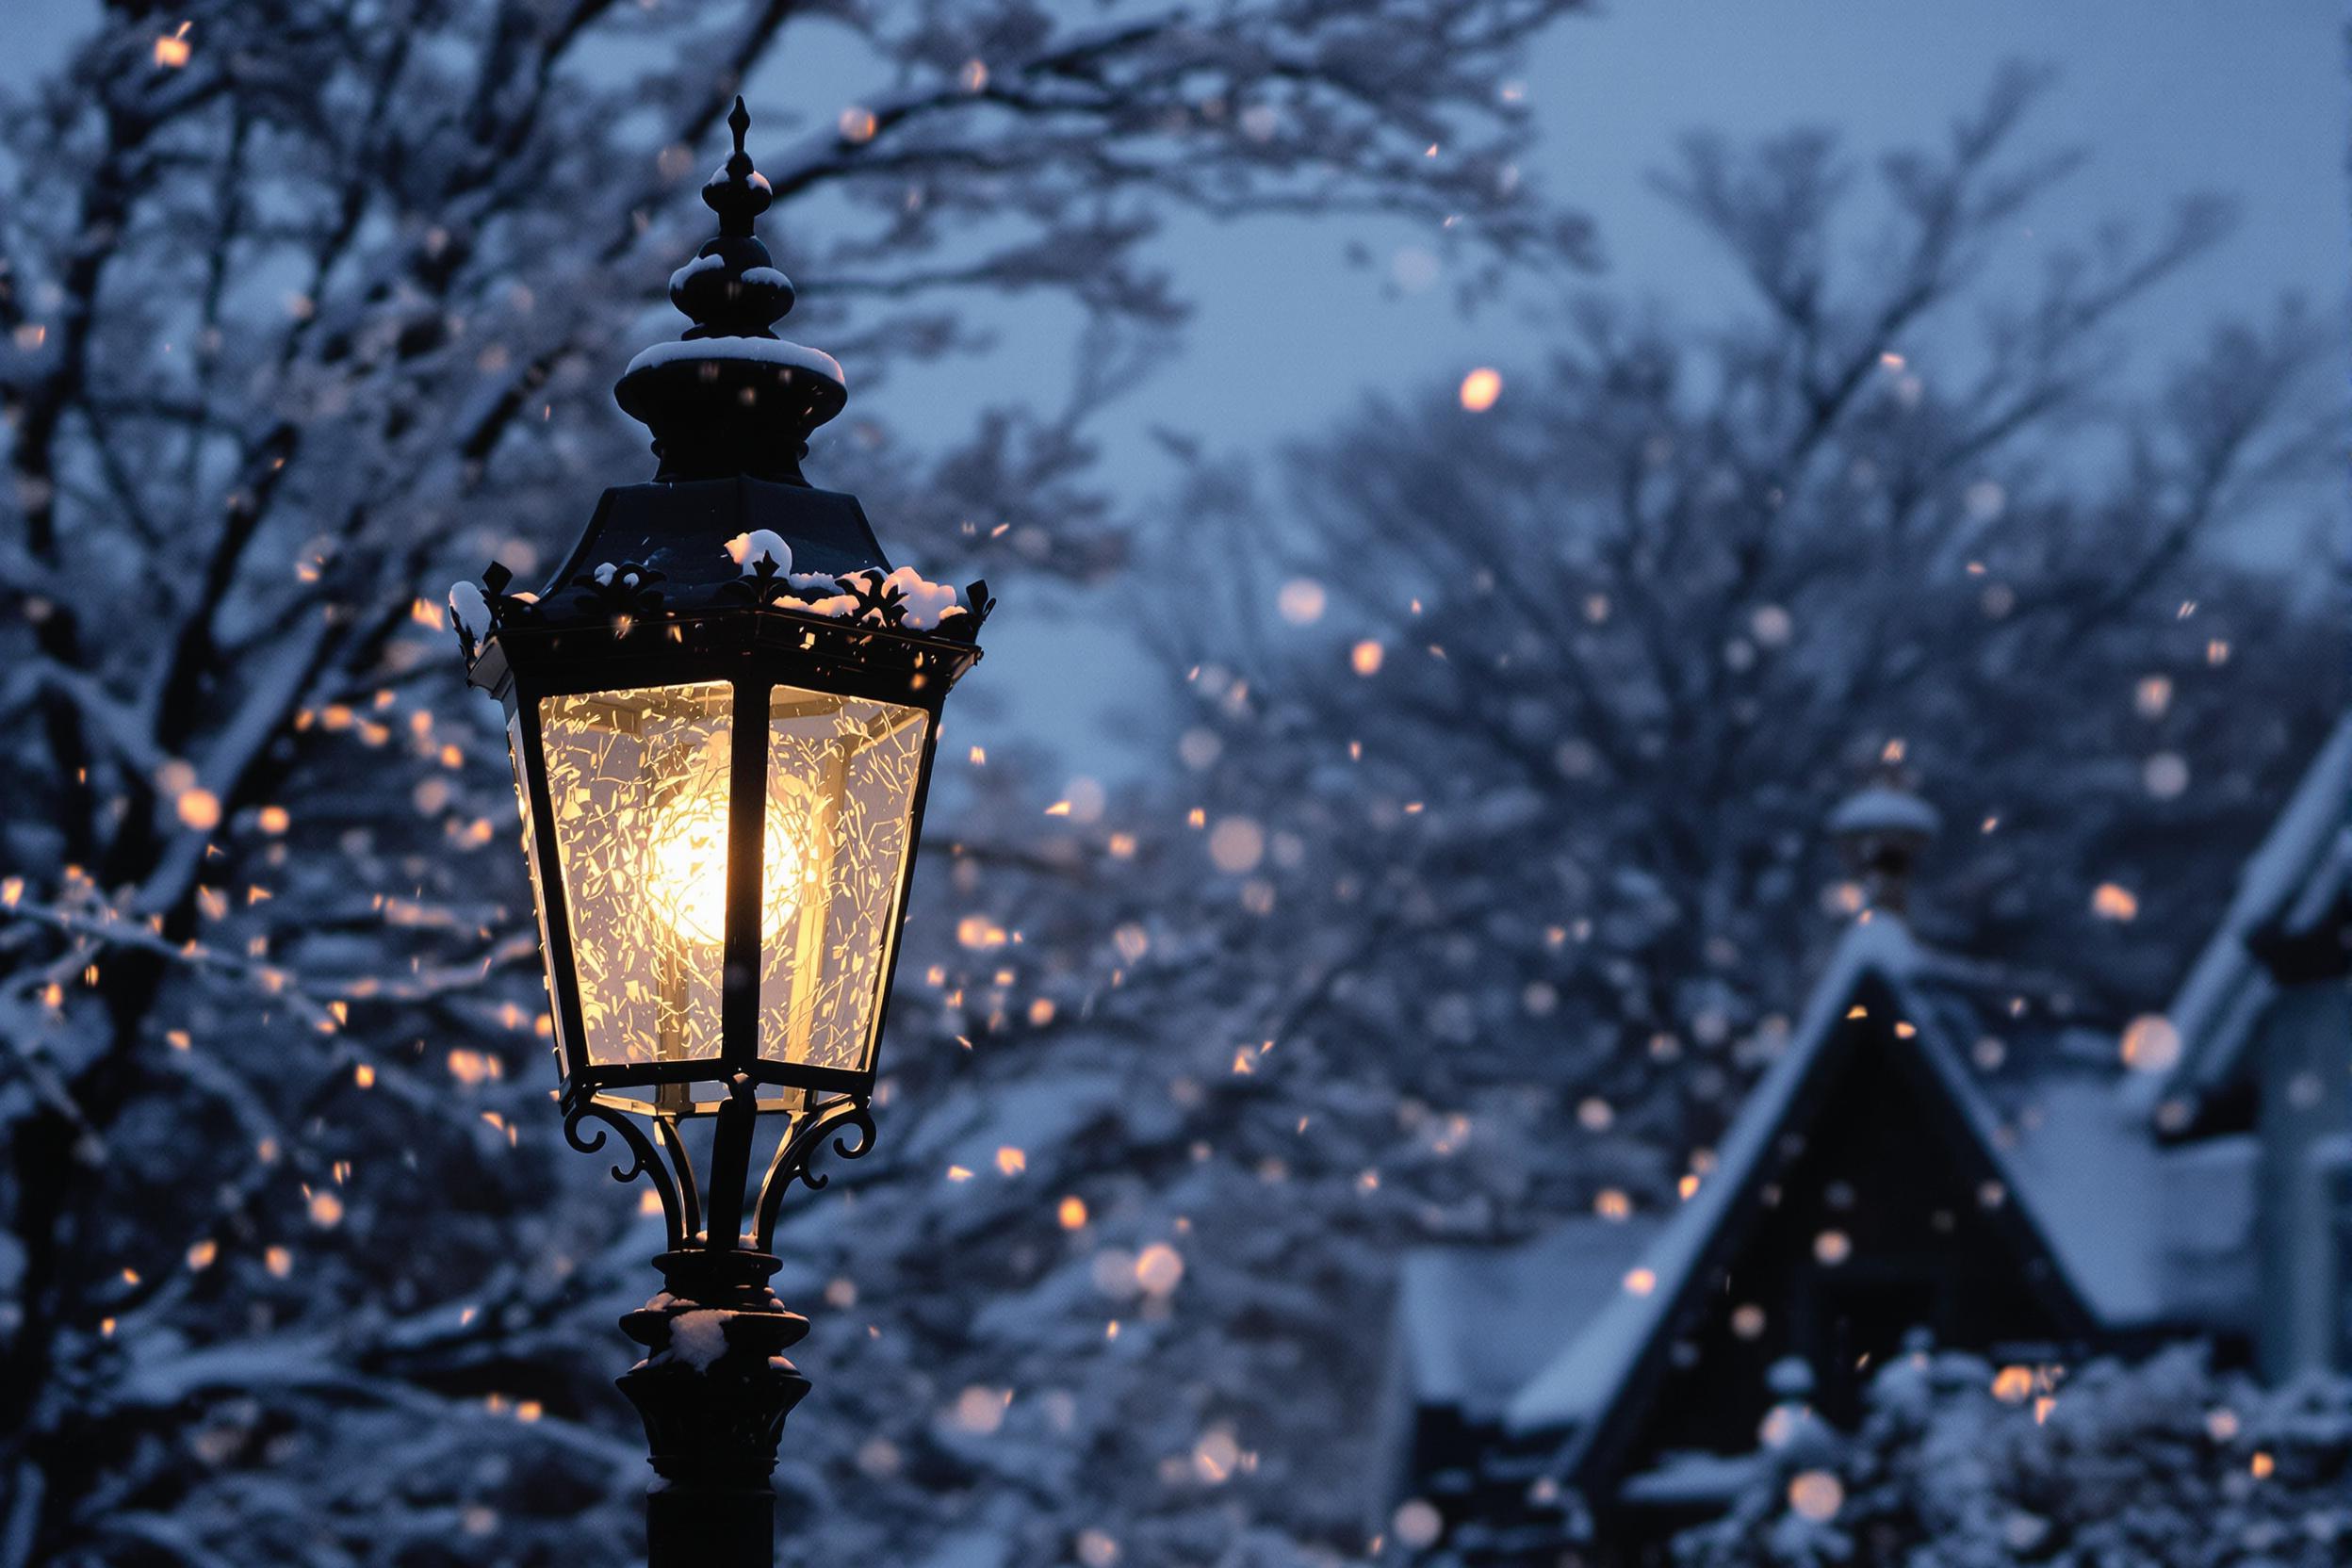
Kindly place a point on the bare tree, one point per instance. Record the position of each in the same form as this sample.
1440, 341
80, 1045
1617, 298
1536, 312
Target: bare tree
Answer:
309, 305
1593, 665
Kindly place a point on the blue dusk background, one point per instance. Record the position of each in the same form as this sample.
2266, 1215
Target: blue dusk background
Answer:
1649, 868
2166, 98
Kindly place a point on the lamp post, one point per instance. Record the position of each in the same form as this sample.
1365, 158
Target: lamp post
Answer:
721, 712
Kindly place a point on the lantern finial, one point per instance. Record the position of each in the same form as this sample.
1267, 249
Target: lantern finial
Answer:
731, 397
738, 193
731, 288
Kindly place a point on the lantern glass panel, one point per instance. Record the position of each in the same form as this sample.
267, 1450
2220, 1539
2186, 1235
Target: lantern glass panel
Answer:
841, 779
638, 782
530, 854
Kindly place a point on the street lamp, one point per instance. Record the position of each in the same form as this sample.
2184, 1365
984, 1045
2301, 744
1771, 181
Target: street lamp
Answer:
721, 712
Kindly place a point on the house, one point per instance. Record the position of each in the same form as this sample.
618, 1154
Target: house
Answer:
2262, 1020
1889, 1177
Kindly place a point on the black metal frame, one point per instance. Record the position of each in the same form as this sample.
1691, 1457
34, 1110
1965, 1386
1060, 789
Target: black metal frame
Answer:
753, 649
656, 594
671, 1166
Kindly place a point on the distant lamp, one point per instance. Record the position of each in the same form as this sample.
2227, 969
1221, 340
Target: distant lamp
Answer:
1881, 830
722, 712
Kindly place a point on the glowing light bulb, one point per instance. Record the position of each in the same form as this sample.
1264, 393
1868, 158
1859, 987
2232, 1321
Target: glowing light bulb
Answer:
685, 866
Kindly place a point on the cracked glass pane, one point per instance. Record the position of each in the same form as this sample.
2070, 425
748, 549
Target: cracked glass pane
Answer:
638, 783
842, 774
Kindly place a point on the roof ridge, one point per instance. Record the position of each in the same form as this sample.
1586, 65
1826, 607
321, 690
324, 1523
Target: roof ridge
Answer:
2221, 989
1587, 1379
1570, 1388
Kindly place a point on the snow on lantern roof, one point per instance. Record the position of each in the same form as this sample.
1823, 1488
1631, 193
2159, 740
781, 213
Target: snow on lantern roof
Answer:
762, 350
2303, 864
1882, 809
754, 570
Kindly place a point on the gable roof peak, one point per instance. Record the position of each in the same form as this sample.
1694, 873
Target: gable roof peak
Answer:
2303, 864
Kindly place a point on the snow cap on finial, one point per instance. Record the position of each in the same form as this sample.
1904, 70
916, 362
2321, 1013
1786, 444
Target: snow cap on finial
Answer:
732, 288
738, 192
730, 397
1880, 830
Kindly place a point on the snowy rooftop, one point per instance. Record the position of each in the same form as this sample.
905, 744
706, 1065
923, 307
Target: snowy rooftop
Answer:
1584, 1378
2089, 1180
2084, 1163
1479, 1322
2301, 865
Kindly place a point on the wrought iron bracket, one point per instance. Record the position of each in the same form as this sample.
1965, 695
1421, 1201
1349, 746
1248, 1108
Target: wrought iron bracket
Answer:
679, 1207
657, 1150
799, 1146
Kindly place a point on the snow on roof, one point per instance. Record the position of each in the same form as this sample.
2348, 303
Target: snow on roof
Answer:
2077, 1157
1687, 1478
2084, 1169
1583, 1380
1880, 810
1479, 1322
2084, 1166
2299, 867
2208, 1196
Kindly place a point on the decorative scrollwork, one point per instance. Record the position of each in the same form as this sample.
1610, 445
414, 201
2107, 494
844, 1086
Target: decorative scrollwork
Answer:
799, 1147
628, 589
965, 627
877, 598
645, 1160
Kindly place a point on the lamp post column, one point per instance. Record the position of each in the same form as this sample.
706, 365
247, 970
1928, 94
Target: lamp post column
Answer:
722, 712
714, 1391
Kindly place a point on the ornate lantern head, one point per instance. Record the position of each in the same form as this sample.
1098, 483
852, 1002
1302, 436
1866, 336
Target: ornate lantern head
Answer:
722, 712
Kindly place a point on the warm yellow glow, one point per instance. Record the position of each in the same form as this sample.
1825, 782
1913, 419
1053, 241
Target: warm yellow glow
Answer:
685, 866
198, 809
2151, 1044
1817, 1495
1158, 1268
640, 785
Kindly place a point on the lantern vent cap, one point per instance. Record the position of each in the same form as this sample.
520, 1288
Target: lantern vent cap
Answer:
1879, 808
729, 396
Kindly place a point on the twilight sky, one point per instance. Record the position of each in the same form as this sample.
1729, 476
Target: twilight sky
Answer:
2165, 96
2247, 98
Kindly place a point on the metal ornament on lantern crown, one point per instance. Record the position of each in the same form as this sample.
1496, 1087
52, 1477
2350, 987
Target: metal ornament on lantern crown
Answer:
722, 712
